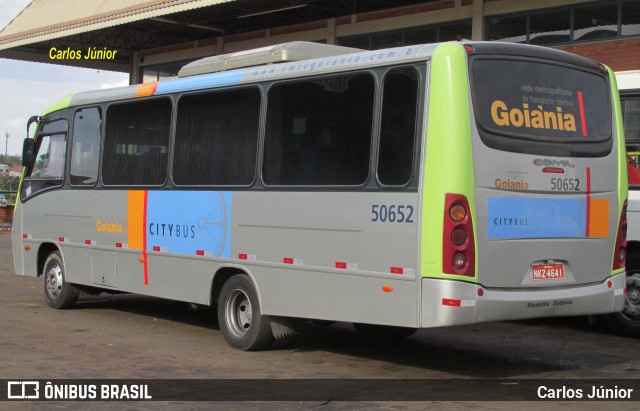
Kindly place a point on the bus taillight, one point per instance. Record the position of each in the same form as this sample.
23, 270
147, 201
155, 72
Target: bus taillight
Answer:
620, 254
458, 247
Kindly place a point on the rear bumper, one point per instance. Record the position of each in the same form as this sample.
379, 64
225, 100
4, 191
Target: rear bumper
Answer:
446, 302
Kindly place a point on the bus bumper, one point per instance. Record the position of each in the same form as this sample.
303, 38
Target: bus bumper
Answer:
446, 302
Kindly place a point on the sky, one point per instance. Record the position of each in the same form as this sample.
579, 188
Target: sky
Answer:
26, 88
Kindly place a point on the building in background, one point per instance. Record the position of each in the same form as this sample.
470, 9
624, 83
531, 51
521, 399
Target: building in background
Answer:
151, 40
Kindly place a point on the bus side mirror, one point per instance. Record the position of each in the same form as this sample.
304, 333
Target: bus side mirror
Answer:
29, 145
28, 152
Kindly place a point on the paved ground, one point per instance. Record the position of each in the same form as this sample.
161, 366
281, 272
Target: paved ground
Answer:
127, 336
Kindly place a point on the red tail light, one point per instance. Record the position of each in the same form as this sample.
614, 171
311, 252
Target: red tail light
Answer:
458, 246
620, 252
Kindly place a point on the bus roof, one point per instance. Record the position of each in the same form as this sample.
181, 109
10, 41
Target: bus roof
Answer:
327, 64
330, 62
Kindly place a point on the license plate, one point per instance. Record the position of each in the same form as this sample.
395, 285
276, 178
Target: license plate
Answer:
547, 271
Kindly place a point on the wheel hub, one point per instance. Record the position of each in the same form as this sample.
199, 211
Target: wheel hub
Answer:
54, 280
238, 313
632, 298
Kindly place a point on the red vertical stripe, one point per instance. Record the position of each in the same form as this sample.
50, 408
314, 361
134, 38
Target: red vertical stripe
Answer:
144, 239
583, 120
588, 226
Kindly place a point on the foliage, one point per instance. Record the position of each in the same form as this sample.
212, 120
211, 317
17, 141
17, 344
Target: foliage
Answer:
10, 183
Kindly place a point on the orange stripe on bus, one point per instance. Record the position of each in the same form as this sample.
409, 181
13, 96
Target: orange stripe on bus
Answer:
599, 218
135, 226
147, 89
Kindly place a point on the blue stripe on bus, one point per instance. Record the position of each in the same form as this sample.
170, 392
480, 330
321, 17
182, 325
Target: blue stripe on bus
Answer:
187, 221
536, 218
213, 80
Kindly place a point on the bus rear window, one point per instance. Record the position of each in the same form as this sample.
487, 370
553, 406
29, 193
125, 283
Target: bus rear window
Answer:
519, 102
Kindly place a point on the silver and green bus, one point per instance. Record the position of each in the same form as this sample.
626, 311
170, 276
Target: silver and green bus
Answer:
397, 189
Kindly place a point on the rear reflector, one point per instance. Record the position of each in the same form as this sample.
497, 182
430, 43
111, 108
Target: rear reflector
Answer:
451, 303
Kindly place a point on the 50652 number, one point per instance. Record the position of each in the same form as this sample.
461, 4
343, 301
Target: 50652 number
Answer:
565, 184
392, 213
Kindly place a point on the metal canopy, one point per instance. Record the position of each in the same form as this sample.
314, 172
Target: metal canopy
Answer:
134, 25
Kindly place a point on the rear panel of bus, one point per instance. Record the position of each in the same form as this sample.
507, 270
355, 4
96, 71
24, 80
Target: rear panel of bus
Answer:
546, 192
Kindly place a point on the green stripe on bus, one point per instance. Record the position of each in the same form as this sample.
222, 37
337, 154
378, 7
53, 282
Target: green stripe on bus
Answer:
449, 157
623, 183
58, 105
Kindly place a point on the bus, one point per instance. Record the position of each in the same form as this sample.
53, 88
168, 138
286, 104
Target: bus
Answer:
398, 189
627, 322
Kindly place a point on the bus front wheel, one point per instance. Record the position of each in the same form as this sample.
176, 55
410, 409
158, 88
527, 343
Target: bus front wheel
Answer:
241, 322
57, 291
627, 322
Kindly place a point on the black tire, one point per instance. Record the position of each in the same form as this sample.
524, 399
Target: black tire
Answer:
57, 291
384, 331
627, 322
239, 317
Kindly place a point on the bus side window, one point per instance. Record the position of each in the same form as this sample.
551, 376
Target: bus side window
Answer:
136, 142
319, 131
85, 151
217, 137
398, 128
48, 169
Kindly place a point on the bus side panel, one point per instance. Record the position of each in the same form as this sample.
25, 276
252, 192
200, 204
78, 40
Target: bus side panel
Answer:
17, 243
336, 296
339, 256
75, 221
330, 254
366, 231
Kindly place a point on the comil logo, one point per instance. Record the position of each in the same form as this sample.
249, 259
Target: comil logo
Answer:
23, 390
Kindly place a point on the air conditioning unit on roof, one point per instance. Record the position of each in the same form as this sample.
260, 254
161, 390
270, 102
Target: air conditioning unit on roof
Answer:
279, 53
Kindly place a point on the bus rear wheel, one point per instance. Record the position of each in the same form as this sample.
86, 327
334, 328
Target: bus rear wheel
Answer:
241, 321
627, 322
57, 291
